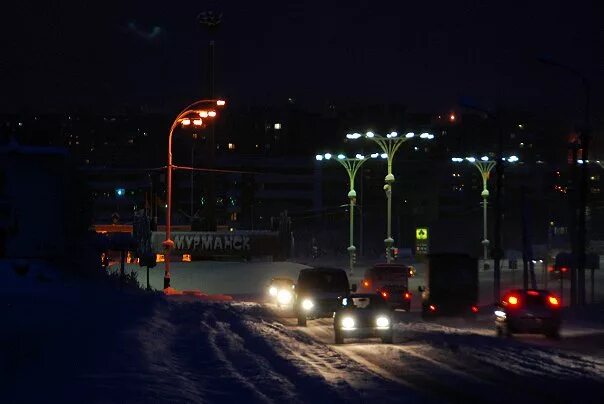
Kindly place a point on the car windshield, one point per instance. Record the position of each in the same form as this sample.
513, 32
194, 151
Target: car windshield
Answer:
332, 281
394, 274
364, 302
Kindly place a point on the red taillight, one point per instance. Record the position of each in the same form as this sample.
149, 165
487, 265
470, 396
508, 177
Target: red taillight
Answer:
513, 300
407, 295
550, 268
432, 307
564, 269
474, 309
553, 301
532, 293
385, 295
366, 283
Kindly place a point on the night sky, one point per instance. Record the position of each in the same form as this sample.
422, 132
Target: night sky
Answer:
425, 54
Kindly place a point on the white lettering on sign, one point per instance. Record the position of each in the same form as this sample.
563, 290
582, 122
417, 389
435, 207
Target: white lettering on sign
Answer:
209, 242
206, 242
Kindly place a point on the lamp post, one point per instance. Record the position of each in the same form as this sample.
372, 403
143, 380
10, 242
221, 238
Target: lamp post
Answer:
484, 165
351, 165
389, 145
193, 115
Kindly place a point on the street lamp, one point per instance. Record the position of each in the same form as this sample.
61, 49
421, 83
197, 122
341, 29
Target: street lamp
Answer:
351, 165
389, 145
484, 166
193, 115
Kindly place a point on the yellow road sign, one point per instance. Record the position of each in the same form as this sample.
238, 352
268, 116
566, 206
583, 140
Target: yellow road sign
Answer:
421, 233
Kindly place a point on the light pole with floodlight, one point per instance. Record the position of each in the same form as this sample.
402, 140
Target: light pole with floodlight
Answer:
484, 166
389, 145
351, 165
193, 115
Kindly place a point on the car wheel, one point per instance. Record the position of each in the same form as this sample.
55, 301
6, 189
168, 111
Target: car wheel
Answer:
301, 321
338, 337
387, 339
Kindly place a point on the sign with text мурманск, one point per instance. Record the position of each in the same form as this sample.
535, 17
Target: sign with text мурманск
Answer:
217, 244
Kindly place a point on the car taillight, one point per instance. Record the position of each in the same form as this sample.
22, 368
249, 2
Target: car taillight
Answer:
553, 301
474, 309
564, 269
385, 295
550, 268
532, 293
432, 307
366, 283
513, 300
407, 295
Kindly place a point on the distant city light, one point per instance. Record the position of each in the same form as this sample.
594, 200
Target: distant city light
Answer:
277, 126
484, 158
212, 113
220, 102
424, 135
512, 159
353, 135
375, 155
319, 157
341, 156
197, 122
369, 134
384, 155
410, 135
360, 156
203, 114
452, 117
186, 122
120, 191
471, 159
457, 159
327, 156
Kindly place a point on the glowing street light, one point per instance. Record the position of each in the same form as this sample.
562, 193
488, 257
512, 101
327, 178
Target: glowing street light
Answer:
484, 166
352, 165
389, 145
187, 116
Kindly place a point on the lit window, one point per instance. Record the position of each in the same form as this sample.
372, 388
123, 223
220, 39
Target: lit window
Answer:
277, 126
231, 146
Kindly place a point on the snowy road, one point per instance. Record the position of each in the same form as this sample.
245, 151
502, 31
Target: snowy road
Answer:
469, 364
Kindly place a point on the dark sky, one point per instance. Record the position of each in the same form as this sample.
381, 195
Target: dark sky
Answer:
426, 54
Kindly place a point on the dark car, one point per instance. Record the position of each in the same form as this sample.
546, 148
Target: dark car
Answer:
319, 292
363, 315
528, 312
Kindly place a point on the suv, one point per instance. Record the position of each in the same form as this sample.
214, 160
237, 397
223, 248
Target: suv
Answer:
319, 292
528, 312
363, 315
392, 282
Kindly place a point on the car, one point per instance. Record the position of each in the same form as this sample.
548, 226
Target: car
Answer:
363, 315
391, 281
281, 291
319, 291
529, 311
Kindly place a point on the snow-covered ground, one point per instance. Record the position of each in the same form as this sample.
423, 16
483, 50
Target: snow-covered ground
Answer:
72, 340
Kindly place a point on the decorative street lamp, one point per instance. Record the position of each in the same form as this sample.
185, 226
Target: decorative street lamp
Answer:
195, 115
352, 165
484, 166
389, 145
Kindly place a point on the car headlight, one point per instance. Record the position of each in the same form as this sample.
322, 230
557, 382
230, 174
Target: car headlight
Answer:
347, 322
382, 322
272, 291
284, 296
307, 304
500, 313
